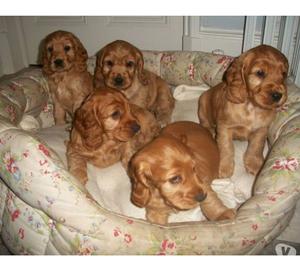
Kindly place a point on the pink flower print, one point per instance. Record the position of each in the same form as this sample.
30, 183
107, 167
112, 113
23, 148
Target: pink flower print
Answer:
11, 166
247, 242
44, 150
129, 221
191, 71
127, 238
85, 251
221, 60
272, 198
167, 59
21, 233
282, 108
117, 232
15, 215
47, 108
167, 247
43, 162
227, 62
25, 153
12, 112
290, 164
254, 226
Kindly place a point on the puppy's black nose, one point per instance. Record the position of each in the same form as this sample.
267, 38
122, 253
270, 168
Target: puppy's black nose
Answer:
59, 63
200, 197
276, 96
119, 80
135, 127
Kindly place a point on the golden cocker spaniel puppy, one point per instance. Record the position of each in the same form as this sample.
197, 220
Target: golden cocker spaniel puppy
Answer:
243, 106
107, 129
120, 65
174, 172
64, 64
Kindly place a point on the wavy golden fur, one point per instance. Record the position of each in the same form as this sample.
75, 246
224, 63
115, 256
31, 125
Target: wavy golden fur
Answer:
120, 65
243, 106
65, 65
174, 172
107, 129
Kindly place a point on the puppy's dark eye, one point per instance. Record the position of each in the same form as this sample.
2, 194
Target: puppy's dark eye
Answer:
50, 49
176, 179
116, 114
109, 63
130, 64
261, 74
67, 48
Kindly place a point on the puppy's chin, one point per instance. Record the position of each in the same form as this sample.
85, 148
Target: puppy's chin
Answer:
181, 203
124, 135
111, 84
64, 68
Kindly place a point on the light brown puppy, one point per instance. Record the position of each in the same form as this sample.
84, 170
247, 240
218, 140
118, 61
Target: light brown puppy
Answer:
107, 129
174, 172
243, 106
64, 64
120, 65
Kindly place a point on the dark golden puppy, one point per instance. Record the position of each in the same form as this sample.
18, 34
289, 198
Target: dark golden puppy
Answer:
174, 172
64, 64
243, 106
120, 65
107, 129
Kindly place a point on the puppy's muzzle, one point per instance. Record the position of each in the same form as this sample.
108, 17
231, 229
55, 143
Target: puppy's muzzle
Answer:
59, 63
200, 197
119, 81
135, 127
276, 96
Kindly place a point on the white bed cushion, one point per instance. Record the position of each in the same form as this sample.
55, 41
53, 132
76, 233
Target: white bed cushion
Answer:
111, 188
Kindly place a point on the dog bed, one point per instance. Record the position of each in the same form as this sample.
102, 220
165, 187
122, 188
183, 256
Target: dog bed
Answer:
44, 210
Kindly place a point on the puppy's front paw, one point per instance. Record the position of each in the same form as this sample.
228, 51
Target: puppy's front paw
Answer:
226, 169
228, 214
253, 164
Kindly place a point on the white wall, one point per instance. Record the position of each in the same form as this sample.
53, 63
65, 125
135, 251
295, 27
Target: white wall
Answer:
6, 65
20, 37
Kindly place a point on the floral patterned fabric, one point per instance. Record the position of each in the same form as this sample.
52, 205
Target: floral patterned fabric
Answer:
44, 210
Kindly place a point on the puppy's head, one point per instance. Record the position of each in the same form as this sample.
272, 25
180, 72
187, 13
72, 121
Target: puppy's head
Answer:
118, 64
259, 75
105, 113
63, 51
165, 165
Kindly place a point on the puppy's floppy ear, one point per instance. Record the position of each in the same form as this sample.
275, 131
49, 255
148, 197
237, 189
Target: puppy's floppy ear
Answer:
44, 56
140, 68
140, 192
98, 76
87, 124
81, 54
235, 79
